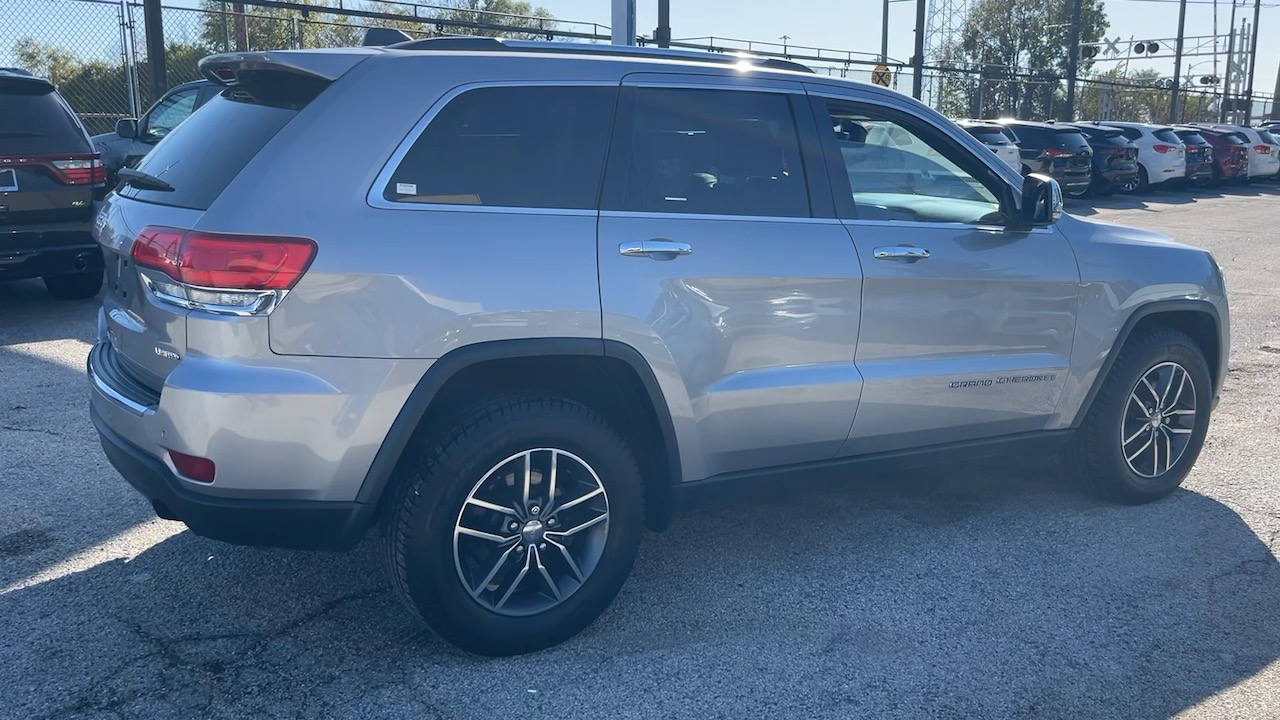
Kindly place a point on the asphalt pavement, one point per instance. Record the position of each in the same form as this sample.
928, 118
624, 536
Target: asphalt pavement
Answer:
990, 590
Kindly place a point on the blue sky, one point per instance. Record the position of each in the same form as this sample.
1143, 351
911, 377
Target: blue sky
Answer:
839, 24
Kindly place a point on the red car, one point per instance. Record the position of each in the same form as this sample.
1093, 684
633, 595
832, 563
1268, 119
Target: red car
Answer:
1230, 153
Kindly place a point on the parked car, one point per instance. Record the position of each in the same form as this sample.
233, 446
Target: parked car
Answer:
1161, 155
1199, 156
49, 173
1230, 153
1115, 159
1264, 153
1001, 139
134, 138
395, 351
1059, 151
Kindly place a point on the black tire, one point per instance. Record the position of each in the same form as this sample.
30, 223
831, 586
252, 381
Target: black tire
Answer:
432, 491
74, 286
1144, 183
1098, 450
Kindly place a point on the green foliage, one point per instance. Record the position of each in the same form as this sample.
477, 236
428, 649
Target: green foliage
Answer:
1133, 96
1030, 36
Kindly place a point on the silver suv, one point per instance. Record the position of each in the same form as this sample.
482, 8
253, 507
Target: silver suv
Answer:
512, 301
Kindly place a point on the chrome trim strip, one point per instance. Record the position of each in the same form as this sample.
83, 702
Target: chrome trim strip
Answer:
957, 226
374, 196
704, 216
101, 386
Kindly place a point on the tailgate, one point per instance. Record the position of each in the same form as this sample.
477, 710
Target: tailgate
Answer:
149, 337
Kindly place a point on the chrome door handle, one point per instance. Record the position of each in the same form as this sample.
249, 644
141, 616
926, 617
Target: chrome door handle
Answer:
657, 248
900, 252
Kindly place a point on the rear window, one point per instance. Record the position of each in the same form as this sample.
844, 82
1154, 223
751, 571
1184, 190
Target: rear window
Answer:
529, 147
1190, 137
1237, 138
206, 152
1131, 133
1071, 139
1166, 135
1032, 136
35, 120
990, 136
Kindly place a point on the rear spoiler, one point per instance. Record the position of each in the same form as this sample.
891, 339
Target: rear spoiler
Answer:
282, 78
16, 80
382, 37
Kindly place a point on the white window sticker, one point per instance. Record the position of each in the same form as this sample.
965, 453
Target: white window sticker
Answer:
406, 189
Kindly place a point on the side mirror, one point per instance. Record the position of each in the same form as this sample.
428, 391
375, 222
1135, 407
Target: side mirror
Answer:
127, 128
1041, 204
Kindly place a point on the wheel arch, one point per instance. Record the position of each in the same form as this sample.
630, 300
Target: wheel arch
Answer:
1197, 318
609, 376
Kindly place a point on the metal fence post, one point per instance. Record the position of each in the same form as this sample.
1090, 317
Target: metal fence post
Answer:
155, 48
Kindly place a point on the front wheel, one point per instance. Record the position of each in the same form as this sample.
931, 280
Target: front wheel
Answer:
518, 527
1147, 425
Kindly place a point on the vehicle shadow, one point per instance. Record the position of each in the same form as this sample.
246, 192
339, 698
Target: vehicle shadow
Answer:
988, 591
29, 314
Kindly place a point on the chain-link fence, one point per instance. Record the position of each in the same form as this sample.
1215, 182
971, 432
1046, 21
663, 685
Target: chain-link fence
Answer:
95, 52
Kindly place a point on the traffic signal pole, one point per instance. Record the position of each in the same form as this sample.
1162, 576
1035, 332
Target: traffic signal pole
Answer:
1073, 62
1177, 62
917, 60
1253, 61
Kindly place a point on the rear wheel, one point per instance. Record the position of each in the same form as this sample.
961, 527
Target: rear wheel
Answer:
1147, 425
518, 528
1141, 182
74, 286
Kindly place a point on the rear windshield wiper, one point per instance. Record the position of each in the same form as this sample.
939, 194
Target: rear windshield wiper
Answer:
142, 180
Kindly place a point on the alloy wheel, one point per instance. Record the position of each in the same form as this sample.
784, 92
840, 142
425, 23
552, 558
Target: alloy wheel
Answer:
1159, 419
531, 532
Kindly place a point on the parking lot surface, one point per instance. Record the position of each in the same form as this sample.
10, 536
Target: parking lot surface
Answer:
985, 591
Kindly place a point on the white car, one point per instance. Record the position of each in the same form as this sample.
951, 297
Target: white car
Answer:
1002, 140
1161, 155
1264, 152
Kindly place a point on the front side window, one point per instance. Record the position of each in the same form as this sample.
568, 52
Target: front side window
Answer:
897, 172
170, 113
719, 152
517, 146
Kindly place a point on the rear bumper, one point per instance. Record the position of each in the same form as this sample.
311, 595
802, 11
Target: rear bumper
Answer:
36, 253
298, 524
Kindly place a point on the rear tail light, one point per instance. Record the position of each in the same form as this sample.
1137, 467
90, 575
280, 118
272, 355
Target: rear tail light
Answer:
1162, 149
1057, 152
81, 169
1263, 149
222, 273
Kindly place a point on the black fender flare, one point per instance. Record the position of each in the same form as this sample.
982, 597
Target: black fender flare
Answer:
441, 371
1155, 307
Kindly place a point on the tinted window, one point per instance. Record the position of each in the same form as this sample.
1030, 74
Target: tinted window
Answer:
897, 172
1072, 140
1132, 133
203, 155
170, 111
990, 136
1190, 137
1237, 138
535, 147
1166, 135
35, 120
722, 152
1267, 137
1032, 136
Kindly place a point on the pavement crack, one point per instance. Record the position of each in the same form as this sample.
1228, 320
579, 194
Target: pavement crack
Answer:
12, 428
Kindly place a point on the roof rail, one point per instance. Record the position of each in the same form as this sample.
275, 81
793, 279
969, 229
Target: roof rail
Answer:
492, 44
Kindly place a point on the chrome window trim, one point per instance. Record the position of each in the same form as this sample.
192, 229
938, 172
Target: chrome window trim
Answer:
374, 196
710, 216
923, 225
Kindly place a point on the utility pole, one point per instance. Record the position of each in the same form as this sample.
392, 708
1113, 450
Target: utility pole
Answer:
917, 60
1253, 61
1177, 62
155, 48
241, 27
884, 34
623, 25
1227, 94
1073, 62
663, 33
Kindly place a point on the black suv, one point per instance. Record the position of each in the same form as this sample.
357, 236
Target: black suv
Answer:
1059, 151
1115, 159
49, 175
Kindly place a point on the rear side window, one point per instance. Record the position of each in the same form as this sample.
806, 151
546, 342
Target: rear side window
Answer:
1267, 137
1132, 133
35, 120
1166, 135
1192, 138
528, 147
200, 157
719, 152
989, 136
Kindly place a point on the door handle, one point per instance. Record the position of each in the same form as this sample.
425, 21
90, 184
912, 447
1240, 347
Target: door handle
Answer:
658, 249
905, 253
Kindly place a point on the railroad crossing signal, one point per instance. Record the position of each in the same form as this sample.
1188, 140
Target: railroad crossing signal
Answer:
1112, 46
881, 76
1147, 48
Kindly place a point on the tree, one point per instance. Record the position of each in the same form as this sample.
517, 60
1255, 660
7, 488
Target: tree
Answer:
53, 63
1117, 95
498, 12
274, 28
1022, 47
